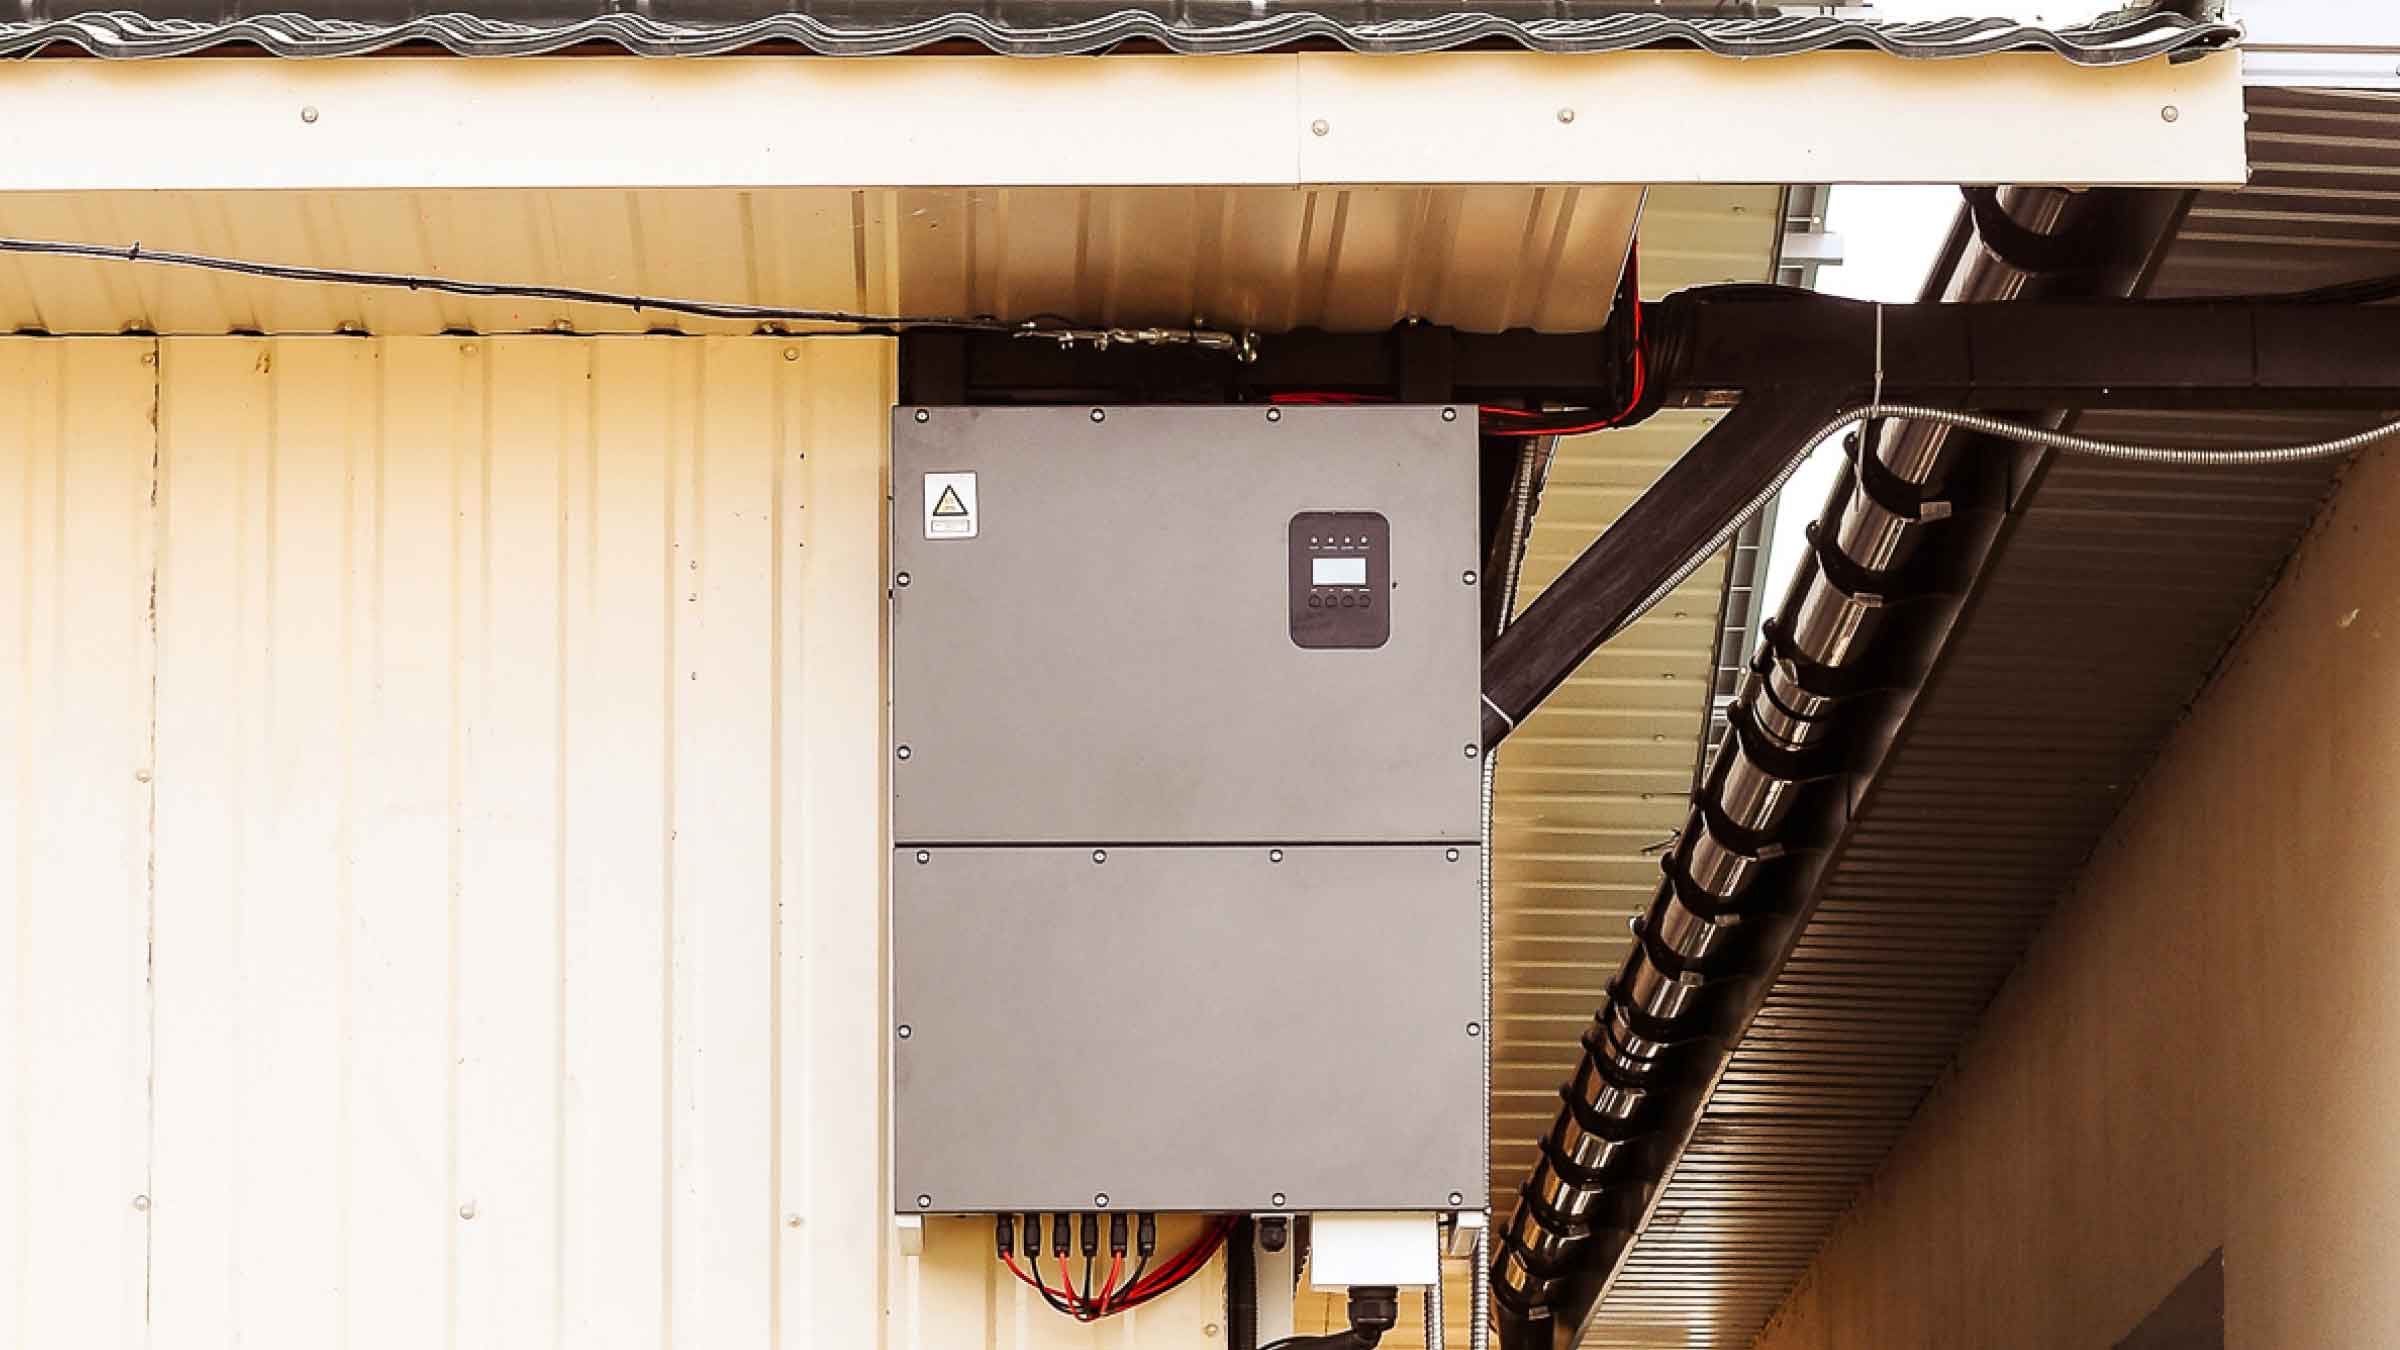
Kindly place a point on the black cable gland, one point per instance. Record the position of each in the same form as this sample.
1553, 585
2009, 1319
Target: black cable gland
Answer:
1146, 1236
1033, 1234
1062, 1235
1116, 1233
1374, 1310
1272, 1233
1004, 1236
1091, 1233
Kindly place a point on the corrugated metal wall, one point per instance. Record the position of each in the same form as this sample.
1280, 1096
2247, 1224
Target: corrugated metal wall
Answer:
444, 870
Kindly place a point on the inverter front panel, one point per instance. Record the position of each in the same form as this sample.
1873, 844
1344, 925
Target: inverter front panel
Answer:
1188, 625
1186, 781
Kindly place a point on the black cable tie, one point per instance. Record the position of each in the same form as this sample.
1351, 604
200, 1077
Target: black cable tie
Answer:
1600, 1055
1569, 1171
1593, 1123
1675, 963
1651, 1028
1699, 899
1753, 845
1794, 766
2025, 249
1897, 495
1814, 678
133, 251
1866, 585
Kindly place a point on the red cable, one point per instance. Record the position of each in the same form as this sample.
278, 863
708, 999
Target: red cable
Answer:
1116, 1267
1016, 1270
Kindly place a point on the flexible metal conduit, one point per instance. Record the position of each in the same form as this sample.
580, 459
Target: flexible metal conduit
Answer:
1873, 522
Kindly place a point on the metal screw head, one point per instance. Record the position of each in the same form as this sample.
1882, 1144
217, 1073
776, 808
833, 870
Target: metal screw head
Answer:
901, 579
1566, 115
142, 1203
791, 1221
924, 416
923, 857
1274, 414
2170, 113
1467, 578
1099, 855
1100, 1201
903, 752
1458, 1198
905, 1031
791, 353
141, 775
1098, 415
1274, 855
1450, 855
924, 1202
308, 113
467, 1210
1210, 1330
1449, 414
1473, 750
1474, 1028
1319, 127
1276, 1199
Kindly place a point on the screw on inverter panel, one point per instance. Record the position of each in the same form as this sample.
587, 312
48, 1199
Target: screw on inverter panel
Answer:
904, 1031
924, 1202
1098, 415
1467, 578
923, 415
1100, 1201
1099, 855
1474, 1028
1457, 1198
1450, 855
902, 579
1276, 1199
1472, 750
903, 752
1449, 414
923, 856
1274, 414
1274, 855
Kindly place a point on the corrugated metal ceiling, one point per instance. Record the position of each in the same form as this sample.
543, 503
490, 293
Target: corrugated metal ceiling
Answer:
1357, 260
2109, 608
165, 28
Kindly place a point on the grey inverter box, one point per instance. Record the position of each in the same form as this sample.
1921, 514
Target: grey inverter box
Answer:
1186, 805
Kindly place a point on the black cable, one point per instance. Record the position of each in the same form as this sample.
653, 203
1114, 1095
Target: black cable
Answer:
405, 281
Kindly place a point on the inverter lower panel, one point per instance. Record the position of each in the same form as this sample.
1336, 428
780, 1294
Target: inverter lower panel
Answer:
1216, 1029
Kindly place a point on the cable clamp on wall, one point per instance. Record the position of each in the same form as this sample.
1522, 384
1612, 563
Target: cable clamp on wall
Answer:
1794, 766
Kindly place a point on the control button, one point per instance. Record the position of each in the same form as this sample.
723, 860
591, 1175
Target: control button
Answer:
1366, 601
1313, 601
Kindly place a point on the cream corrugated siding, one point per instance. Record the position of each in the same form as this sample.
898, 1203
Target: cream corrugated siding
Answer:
472, 934
1482, 258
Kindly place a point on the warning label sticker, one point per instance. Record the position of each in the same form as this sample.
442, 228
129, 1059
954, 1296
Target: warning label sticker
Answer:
950, 506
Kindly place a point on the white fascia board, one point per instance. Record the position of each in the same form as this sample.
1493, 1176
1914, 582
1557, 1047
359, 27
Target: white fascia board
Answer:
1135, 121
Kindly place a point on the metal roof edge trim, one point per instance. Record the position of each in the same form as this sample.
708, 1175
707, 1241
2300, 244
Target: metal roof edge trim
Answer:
125, 35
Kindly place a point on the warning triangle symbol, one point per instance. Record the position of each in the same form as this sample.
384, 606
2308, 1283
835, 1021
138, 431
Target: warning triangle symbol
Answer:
949, 505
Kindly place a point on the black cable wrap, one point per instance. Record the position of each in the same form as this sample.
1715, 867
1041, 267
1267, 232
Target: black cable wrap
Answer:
1727, 844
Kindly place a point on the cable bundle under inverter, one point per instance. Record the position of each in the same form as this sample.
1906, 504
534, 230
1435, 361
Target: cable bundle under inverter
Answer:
1082, 1302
